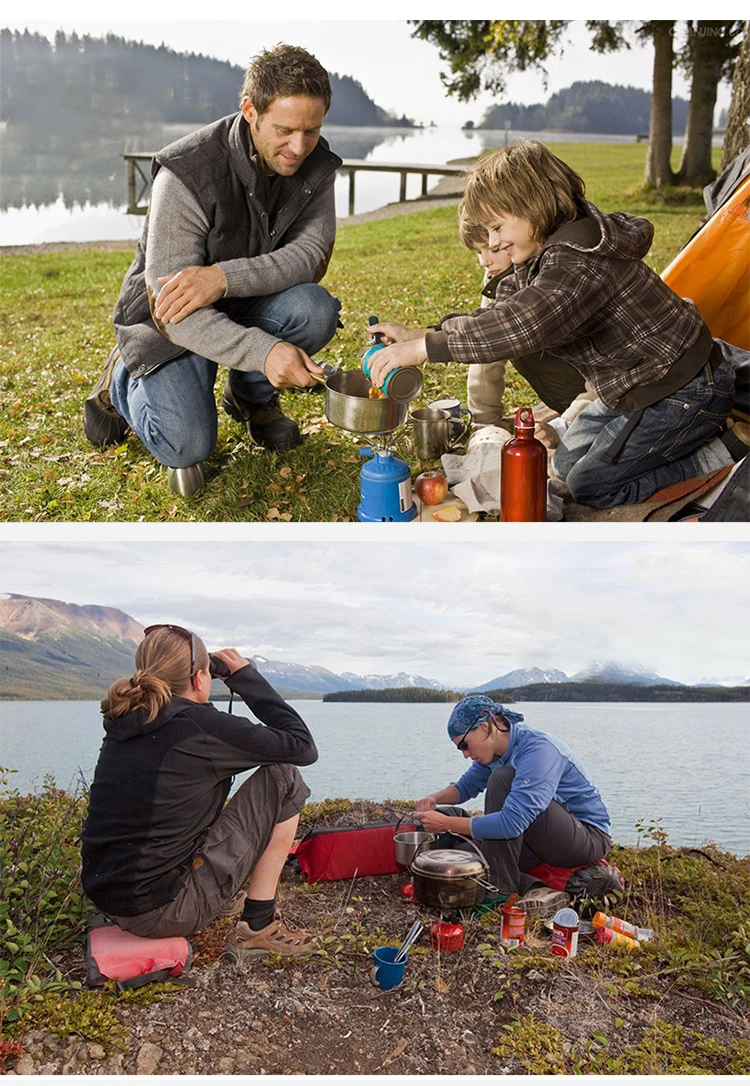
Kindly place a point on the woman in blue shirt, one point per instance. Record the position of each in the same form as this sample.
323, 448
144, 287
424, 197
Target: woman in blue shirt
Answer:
540, 805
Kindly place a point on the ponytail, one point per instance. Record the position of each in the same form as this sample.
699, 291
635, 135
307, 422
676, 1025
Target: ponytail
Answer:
162, 669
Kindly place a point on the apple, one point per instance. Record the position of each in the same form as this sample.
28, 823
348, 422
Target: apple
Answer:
431, 487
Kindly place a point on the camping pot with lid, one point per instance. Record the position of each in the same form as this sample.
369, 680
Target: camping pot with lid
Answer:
450, 878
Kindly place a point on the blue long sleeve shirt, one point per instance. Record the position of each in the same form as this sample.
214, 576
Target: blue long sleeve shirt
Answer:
546, 769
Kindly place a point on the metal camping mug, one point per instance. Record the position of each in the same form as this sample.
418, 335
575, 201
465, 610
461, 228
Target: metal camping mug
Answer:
432, 432
454, 409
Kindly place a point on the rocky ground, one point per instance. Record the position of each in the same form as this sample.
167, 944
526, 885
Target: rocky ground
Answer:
322, 1015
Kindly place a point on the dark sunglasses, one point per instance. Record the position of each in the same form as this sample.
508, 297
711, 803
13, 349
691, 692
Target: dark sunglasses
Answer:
185, 634
462, 744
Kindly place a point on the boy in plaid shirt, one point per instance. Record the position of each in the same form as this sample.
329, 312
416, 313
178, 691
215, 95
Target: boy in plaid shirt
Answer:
580, 291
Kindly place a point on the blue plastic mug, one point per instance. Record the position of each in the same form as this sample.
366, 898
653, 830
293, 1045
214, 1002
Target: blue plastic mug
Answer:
386, 973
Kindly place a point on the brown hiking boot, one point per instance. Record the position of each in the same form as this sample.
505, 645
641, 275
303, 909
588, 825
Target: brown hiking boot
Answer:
276, 938
265, 422
542, 901
101, 423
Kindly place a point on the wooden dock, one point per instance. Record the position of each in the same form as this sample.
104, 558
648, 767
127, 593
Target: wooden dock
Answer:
138, 178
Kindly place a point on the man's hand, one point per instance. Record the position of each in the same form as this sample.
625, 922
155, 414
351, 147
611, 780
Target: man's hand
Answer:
288, 366
232, 659
427, 803
192, 288
434, 821
396, 333
413, 352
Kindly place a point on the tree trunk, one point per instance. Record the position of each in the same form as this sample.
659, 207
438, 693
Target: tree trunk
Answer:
737, 135
658, 167
695, 165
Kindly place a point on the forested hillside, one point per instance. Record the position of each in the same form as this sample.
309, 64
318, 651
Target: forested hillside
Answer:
79, 78
586, 107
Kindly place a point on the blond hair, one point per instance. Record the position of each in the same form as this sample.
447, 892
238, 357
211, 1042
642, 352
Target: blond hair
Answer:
162, 662
526, 180
472, 235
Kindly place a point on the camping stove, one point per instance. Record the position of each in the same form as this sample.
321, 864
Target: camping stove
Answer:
385, 486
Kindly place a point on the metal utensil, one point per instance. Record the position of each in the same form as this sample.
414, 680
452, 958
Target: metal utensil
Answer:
413, 934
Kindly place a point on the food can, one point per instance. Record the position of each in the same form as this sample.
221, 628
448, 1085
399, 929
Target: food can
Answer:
400, 385
513, 926
565, 924
446, 936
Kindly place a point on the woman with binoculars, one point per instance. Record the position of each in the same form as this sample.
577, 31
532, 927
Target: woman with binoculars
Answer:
164, 854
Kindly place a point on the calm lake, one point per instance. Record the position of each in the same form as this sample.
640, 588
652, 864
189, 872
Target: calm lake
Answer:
680, 764
71, 186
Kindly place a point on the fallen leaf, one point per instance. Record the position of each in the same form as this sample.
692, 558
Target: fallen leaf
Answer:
285, 472
273, 514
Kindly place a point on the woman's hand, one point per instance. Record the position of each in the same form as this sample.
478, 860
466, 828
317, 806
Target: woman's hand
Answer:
427, 803
396, 333
232, 659
411, 353
434, 821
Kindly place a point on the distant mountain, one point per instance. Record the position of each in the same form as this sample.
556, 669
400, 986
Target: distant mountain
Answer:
109, 79
736, 680
50, 649
609, 671
291, 679
523, 677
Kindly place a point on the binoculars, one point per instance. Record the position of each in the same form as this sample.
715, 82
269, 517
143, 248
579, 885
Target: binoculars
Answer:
217, 669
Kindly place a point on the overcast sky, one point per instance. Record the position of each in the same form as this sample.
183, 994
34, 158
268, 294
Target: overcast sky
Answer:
400, 73
460, 613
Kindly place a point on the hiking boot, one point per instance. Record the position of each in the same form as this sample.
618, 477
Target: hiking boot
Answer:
276, 938
101, 423
542, 901
265, 422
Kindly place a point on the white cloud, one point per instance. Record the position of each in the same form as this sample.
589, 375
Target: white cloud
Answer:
460, 612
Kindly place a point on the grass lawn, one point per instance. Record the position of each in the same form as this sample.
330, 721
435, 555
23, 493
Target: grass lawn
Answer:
56, 332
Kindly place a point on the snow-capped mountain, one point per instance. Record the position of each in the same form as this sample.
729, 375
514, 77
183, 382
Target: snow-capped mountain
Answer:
308, 679
610, 671
735, 680
523, 677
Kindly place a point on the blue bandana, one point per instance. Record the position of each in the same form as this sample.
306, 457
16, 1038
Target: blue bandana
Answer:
473, 710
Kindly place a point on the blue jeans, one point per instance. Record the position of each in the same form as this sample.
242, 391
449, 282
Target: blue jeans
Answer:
671, 442
173, 409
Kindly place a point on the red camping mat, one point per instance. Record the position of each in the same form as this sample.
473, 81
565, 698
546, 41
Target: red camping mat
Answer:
588, 880
346, 852
131, 960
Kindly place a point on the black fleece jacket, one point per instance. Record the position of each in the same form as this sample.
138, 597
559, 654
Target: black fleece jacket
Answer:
159, 787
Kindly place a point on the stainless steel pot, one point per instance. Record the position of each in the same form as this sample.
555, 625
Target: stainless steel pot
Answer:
449, 878
409, 843
349, 406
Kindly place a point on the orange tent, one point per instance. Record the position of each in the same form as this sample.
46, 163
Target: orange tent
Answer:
713, 270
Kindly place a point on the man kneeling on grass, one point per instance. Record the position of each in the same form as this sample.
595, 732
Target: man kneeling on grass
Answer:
239, 232
163, 853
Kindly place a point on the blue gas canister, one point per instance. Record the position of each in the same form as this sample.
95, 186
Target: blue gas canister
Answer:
400, 385
385, 488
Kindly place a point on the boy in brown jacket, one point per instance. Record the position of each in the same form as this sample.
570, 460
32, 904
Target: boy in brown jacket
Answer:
581, 292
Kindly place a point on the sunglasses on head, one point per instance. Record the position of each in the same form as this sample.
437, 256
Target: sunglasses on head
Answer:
187, 635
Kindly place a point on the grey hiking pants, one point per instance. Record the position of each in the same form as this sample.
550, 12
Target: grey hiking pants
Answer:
225, 860
554, 837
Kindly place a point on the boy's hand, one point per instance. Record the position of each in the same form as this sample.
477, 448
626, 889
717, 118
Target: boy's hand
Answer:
411, 353
548, 435
396, 333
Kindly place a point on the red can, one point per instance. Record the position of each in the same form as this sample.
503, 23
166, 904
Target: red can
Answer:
446, 936
565, 925
513, 926
407, 890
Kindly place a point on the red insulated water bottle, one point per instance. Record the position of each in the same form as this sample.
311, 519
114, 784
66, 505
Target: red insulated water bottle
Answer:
523, 472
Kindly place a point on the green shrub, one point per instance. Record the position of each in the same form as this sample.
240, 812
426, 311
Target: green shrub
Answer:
41, 904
